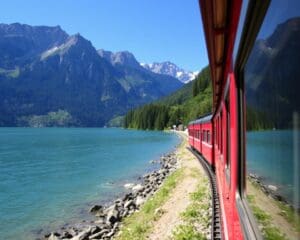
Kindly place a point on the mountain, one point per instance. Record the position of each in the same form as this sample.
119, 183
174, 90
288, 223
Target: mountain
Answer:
124, 58
20, 43
137, 80
50, 78
168, 68
272, 77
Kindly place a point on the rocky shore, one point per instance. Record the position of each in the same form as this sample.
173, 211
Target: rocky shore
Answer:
108, 219
269, 190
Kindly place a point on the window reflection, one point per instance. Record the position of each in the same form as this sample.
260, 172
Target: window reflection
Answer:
272, 86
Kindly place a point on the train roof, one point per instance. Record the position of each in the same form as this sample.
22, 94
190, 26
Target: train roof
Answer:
204, 119
219, 20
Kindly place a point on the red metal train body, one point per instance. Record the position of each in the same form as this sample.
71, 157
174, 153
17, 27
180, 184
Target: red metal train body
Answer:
231, 28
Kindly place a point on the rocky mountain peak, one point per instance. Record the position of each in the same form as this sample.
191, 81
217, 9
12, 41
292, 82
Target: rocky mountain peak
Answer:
21, 42
171, 69
105, 54
75, 43
41, 36
123, 58
79, 41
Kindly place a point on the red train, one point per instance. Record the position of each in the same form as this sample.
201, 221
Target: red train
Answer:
241, 37
200, 132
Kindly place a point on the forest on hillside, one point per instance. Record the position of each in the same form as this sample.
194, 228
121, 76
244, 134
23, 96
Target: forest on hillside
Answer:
186, 104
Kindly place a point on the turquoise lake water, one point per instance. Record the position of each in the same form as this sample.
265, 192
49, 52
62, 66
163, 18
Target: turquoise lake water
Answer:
272, 155
50, 176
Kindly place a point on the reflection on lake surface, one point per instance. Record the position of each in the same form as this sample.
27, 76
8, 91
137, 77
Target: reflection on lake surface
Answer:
270, 154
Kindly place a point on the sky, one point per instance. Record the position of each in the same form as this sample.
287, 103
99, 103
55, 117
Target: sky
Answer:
153, 30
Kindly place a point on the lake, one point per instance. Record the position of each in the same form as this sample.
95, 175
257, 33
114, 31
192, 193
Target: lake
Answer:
50, 176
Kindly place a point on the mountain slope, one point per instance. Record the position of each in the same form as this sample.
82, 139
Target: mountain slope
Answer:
44, 70
138, 81
272, 76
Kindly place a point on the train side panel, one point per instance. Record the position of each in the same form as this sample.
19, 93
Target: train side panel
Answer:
197, 139
226, 160
206, 142
191, 134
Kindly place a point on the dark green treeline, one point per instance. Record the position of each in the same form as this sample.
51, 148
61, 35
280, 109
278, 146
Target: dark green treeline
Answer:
190, 102
186, 104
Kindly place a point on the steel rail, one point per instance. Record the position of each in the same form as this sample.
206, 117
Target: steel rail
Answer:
216, 213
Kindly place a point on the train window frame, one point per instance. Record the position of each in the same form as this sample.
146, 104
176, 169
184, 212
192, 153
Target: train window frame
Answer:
251, 23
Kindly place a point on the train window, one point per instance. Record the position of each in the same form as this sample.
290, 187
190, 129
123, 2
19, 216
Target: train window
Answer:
271, 79
227, 138
208, 136
201, 136
221, 135
216, 132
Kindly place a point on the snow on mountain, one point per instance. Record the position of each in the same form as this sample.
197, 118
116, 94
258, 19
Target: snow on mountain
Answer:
171, 69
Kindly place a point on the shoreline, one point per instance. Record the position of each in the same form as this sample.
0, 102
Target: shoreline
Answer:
181, 206
271, 190
273, 216
108, 216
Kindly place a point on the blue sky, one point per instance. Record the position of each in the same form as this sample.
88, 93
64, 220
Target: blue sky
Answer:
153, 30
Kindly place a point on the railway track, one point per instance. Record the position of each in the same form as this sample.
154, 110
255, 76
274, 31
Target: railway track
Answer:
216, 213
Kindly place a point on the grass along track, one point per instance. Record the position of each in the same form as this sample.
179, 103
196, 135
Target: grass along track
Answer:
176, 210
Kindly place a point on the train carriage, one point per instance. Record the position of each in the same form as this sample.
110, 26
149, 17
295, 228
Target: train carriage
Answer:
254, 50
